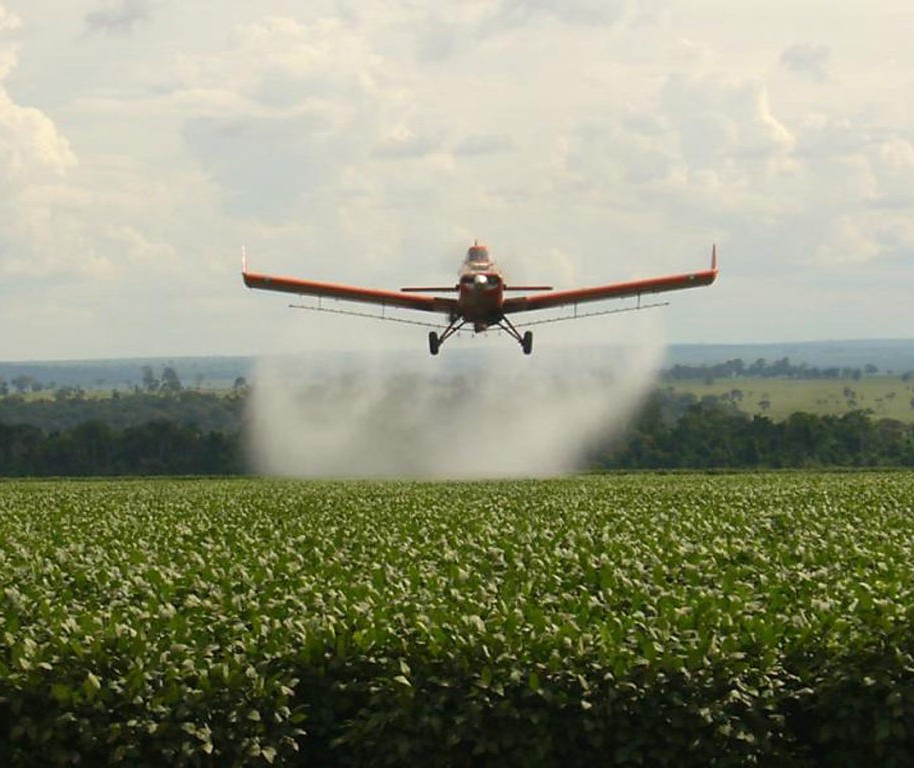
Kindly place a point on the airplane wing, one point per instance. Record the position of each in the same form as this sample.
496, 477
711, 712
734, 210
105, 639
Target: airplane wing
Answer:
614, 290
439, 304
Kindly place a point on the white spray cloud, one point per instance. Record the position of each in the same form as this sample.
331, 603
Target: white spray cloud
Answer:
496, 414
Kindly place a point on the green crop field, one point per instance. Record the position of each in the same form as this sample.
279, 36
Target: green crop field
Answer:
614, 620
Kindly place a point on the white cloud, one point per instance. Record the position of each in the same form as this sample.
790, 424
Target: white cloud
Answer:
9, 56
8, 21
30, 145
722, 119
279, 115
34, 159
893, 166
705, 145
318, 64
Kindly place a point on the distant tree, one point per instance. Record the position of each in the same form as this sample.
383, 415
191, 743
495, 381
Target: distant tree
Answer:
22, 383
64, 393
780, 367
171, 384
150, 382
869, 369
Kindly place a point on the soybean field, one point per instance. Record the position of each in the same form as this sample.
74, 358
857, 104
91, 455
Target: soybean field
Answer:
611, 620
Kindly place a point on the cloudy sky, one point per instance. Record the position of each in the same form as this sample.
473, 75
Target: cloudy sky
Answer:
142, 142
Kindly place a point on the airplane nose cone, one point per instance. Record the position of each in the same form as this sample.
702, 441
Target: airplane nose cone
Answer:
480, 280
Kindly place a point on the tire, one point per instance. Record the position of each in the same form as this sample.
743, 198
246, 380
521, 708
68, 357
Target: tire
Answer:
434, 343
527, 343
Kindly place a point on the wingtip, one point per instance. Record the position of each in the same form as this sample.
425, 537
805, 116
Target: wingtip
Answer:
244, 260
714, 257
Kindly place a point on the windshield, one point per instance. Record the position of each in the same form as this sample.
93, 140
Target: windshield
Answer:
478, 254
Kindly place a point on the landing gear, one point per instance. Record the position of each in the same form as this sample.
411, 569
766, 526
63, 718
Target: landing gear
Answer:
525, 341
435, 341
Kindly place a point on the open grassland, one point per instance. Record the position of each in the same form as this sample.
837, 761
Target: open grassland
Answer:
887, 397
628, 620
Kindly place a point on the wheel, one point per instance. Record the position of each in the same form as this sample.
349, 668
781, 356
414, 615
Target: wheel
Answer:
434, 343
527, 343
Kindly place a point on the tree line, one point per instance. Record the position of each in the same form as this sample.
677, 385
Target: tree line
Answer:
193, 433
204, 410
763, 369
712, 435
166, 381
95, 449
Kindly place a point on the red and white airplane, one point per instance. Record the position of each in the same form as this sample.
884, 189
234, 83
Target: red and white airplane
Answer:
481, 301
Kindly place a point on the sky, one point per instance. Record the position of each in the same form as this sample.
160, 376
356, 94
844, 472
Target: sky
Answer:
143, 142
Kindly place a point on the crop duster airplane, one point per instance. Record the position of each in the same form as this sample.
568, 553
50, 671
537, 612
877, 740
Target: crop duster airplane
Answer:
481, 301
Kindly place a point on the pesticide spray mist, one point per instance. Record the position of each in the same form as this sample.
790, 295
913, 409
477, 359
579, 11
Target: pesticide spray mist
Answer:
486, 412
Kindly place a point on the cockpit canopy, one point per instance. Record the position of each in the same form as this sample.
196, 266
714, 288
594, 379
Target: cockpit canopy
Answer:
478, 254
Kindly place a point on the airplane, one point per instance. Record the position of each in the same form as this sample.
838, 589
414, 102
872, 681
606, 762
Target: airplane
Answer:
481, 300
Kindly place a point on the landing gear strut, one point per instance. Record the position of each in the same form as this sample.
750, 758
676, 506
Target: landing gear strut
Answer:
525, 341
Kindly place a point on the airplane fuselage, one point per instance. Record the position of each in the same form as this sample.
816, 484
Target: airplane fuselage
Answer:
480, 290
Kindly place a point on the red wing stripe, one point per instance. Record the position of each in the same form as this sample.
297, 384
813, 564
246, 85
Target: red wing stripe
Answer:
612, 291
350, 293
